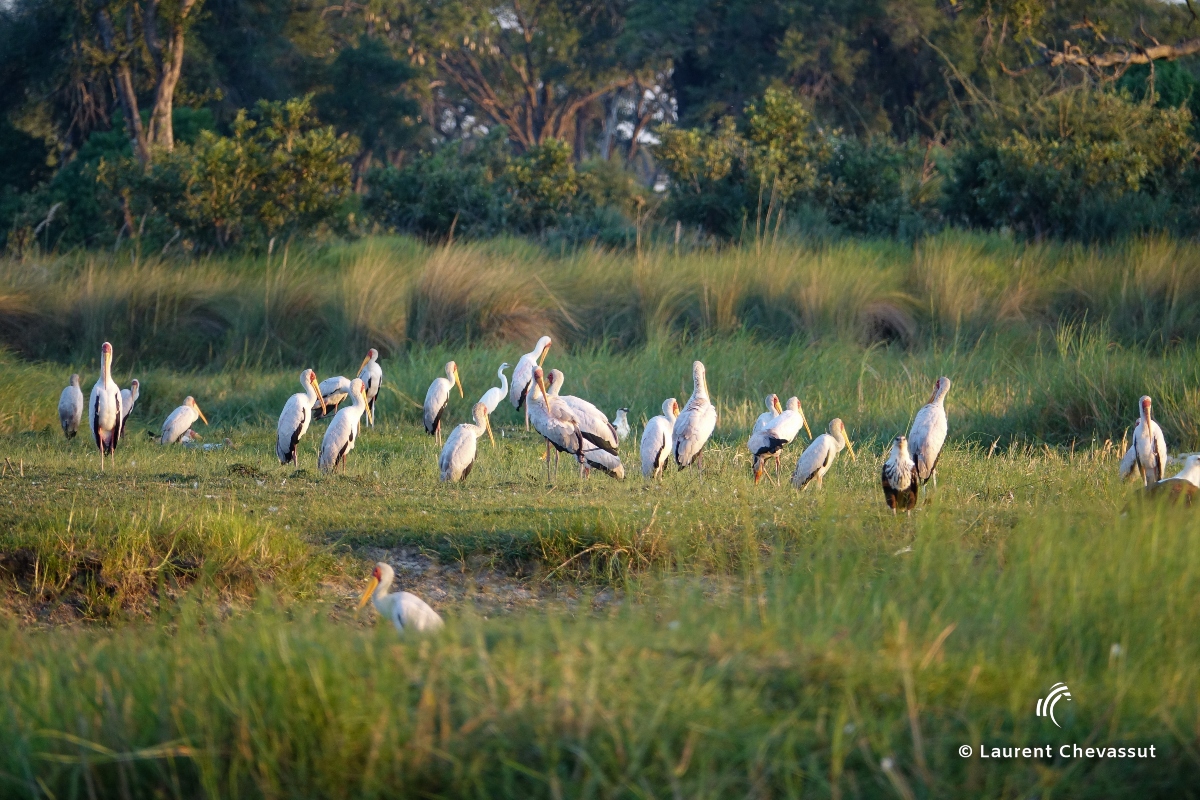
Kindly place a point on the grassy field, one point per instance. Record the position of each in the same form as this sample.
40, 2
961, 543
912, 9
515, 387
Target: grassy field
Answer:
182, 625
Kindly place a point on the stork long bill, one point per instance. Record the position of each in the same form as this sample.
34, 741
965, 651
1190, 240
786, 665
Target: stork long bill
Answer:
366, 596
201, 413
366, 361
542, 360
849, 446
458, 382
313, 380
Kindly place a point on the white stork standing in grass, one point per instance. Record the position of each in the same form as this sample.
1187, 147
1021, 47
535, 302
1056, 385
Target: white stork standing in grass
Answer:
777, 434
656, 440
774, 409
899, 477
371, 374
492, 397
70, 407
333, 391
695, 424
406, 611
593, 424
458, 456
128, 398
438, 398
621, 424
104, 407
522, 379
343, 431
928, 433
180, 420
1148, 453
1185, 485
295, 418
818, 457
555, 422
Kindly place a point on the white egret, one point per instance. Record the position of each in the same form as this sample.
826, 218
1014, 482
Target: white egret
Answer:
128, 399
777, 434
295, 418
492, 397
818, 457
1149, 445
621, 424
180, 420
104, 407
333, 391
343, 430
438, 397
555, 422
458, 455
695, 424
899, 477
928, 433
70, 407
593, 424
656, 440
1184, 485
405, 610
522, 379
371, 374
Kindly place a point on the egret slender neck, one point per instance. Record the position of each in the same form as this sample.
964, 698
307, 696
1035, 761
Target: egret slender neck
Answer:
503, 380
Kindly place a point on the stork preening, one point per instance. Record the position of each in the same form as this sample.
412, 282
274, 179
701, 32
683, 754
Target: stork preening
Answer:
656, 440
818, 457
437, 398
180, 420
555, 422
1183, 486
522, 379
492, 397
928, 433
777, 434
70, 407
104, 407
129, 397
695, 424
621, 424
899, 477
406, 611
371, 374
593, 424
343, 430
458, 456
333, 391
295, 418
1148, 453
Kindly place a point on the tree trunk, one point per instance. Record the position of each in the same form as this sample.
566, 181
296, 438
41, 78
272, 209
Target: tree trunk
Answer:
162, 132
123, 79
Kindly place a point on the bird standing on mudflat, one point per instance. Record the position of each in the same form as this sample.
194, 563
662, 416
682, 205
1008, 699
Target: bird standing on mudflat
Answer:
818, 457
128, 398
180, 420
371, 374
656, 440
695, 424
406, 611
70, 407
492, 397
928, 433
522, 379
458, 456
777, 434
295, 418
104, 407
438, 397
899, 477
343, 431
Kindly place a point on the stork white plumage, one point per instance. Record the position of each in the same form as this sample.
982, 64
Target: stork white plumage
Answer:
777, 434
774, 409
438, 398
522, 379
129, 397
1149, 445
1184, 485
593, 424
621, 424
555, 422
295, 418
333, 391
180, 420
928, 433
492, 397
656, 440
371, 374
104, 407
818, 457
406, 611
343, 430
899, 477
695, 424
70, 407
458, 455
595, 458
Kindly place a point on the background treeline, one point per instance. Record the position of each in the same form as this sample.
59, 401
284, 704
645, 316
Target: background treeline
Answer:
204, 125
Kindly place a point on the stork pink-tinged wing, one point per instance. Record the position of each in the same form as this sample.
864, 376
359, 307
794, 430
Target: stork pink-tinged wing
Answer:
928, 432
696, 423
